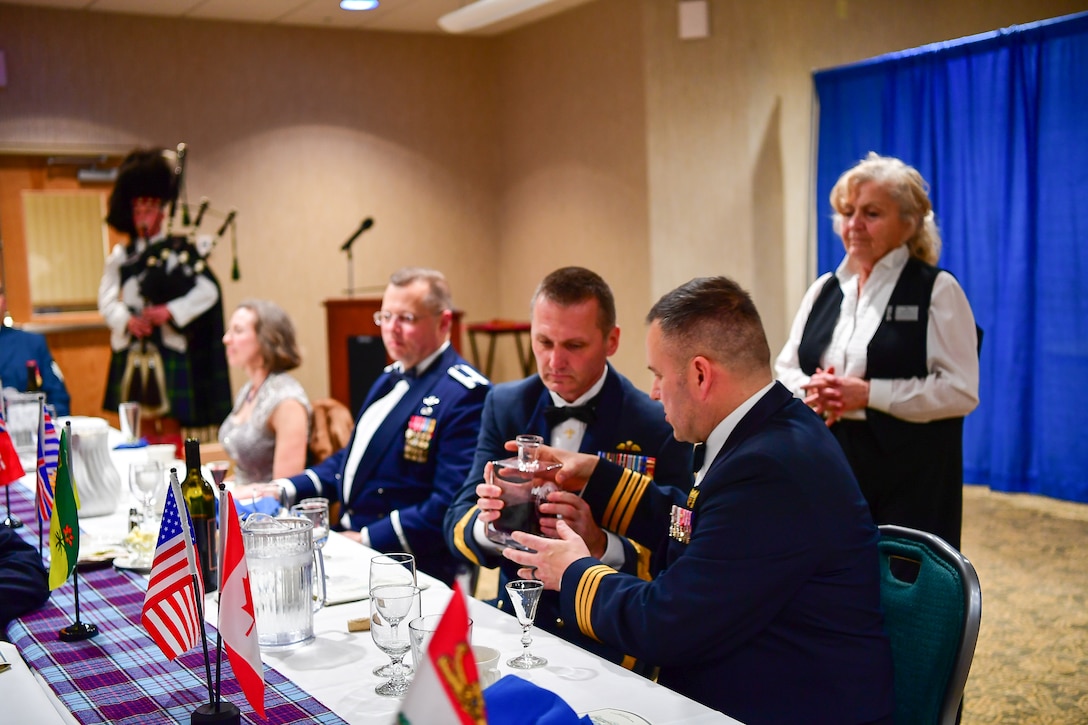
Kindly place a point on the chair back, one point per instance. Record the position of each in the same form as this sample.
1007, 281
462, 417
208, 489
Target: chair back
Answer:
932, 621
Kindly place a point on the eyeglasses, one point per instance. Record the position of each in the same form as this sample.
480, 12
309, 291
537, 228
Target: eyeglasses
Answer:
405, 318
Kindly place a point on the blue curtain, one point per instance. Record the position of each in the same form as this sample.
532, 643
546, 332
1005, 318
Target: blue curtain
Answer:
998, 125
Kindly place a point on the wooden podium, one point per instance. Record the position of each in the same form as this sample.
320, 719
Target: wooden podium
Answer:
350, 317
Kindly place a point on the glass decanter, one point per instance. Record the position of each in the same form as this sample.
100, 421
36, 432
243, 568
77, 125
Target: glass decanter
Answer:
522, 491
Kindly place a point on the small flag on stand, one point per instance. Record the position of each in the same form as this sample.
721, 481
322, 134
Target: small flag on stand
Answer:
446, 687
237, 619
48, 453
64, 521
11, 470
170, 614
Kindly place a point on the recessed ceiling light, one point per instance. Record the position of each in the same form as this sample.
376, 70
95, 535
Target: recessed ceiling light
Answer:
358, 4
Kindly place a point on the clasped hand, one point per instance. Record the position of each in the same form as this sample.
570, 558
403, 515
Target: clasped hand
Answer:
832, 395
144, 324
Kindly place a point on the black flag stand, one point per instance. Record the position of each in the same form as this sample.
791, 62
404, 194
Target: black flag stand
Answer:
215, 710
10, 521
77, 631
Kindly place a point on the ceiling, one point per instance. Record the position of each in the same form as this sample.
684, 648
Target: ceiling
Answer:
403, 16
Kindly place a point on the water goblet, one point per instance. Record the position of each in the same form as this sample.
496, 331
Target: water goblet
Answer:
395, 568
525, 595
391, 604
144, 479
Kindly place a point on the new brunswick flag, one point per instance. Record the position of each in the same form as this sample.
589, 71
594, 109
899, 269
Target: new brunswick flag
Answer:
64, 523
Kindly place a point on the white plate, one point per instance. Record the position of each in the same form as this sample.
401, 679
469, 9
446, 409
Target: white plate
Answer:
339, 591
125, 562
608, 716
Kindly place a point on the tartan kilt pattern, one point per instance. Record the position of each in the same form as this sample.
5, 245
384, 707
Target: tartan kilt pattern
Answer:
204, 400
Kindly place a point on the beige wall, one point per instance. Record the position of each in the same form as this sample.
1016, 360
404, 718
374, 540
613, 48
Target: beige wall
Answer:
595, 137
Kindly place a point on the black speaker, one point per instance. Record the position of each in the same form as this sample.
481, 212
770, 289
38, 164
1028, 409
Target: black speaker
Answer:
366, 362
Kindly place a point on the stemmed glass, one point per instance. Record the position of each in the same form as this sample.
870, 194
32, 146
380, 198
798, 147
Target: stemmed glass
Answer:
391, 604
218, 471
525, 595
144, 479
397, 568
316, 511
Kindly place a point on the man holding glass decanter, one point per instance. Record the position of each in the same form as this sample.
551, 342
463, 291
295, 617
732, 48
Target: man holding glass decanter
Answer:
577, 402
768, 606
414, 437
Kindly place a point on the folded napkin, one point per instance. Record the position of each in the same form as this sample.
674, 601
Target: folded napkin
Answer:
514, 701
265, 505
141, 443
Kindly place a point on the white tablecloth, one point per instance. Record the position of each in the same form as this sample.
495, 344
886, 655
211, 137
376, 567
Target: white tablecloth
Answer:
337, 667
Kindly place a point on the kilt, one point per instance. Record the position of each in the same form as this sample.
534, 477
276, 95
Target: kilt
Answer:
195, 400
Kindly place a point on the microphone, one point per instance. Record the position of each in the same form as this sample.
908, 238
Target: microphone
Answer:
367, 223
226, 223
204, 203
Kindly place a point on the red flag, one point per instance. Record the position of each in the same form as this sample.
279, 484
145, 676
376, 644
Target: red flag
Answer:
237, 620
170, 613
11, 470
446, 688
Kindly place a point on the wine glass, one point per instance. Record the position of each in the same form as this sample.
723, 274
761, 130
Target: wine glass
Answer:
391, 604
218, 471
395, 568
525, 595
144, 479
316, 510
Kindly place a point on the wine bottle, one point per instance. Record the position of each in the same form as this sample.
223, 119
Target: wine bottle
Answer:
200, 498
33, 379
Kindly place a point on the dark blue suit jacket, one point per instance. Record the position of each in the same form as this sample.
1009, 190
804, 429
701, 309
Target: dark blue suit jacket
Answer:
389, 479
24, 582
18, 346
627, 421
771, 613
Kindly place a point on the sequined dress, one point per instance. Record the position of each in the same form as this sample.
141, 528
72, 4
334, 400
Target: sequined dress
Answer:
252, 444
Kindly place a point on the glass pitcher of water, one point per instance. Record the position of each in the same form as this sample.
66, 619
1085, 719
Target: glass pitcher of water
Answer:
280, 555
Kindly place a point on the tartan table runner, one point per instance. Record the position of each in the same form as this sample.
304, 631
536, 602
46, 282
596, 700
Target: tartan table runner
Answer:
121, 676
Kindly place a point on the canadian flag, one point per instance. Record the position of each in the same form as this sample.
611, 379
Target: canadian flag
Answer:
237, 620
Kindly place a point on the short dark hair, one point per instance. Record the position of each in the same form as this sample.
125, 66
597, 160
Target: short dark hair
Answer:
275, 334
439, 298
568, 286
714, 317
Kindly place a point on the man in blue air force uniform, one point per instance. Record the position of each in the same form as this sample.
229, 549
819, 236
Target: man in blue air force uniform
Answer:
19, 346
414, 436
768, 607
577, 402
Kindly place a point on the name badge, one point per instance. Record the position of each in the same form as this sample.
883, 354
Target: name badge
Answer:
901, 313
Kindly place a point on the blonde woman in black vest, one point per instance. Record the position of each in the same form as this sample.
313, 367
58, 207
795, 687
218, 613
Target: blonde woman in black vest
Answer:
885, 348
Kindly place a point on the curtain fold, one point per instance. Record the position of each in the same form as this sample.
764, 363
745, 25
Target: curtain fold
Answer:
998, 125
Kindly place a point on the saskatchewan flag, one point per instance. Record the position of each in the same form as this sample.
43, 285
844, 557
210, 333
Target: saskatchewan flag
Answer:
64, 524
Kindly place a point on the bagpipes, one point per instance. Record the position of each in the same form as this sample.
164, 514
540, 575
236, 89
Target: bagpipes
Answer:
168, 269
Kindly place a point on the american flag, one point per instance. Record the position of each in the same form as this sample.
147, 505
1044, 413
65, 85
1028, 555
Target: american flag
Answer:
170, 612
48, 449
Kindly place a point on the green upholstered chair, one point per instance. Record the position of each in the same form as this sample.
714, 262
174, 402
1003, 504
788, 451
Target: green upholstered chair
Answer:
932, 609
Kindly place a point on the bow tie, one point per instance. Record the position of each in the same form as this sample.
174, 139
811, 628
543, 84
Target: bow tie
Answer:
555, 415
698, 456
